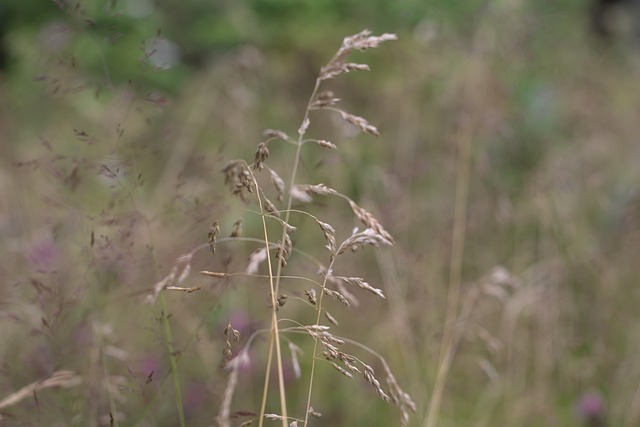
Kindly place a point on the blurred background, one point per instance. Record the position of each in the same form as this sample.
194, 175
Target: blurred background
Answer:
118, 116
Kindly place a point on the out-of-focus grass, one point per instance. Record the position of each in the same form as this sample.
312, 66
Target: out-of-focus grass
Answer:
100, 176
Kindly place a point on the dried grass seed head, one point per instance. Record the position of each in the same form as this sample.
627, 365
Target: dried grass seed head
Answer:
326, 144
276, 133
284, 250
304, 126
303, 192
329, 235
342, 370
214, 231
326, 98
262, 154
369, 376
311, 296
357, 281
337, 296
300, 195
360, 238
370, 221
361, 41
256, 258
268, 206
330, 318
360, 122
238, 177
336, 68
278, 183
237, 228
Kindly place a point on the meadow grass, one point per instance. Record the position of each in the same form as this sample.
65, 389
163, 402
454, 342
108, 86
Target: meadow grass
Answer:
139, 292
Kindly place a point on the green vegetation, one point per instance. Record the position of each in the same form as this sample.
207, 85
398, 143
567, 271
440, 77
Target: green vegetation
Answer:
506, 171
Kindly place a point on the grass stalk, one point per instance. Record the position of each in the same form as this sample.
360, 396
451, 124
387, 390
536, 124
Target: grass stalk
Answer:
278, 276
274, 339
449, 342
315, 345
166, 326
168, 334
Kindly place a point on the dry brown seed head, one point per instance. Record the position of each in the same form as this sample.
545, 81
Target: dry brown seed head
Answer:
230, 331
351, 367
185, 290
370, 221
238, 178
360, 122
282, 300
347, 294
325, 99
255, 259
276, 133
226, 351
329, 338
262, 154
270, 207
359, 282
278, 183
329, 235
330, 318
303, 127
330, 355
300, 194
320, 189
214, 274
347, 358
336, 68
369, 376
326, 144
237, 228
401, 399
303, 192
213, 234
342, 370
364, 40
311, 296
366, 237
337, 296
314, 413
284, 250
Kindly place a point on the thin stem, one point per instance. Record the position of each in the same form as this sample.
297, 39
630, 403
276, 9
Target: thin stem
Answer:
265, 388
275, 335
168, 334
112, 404
172, 359
274, 319
294, 172
449, 341
315, 343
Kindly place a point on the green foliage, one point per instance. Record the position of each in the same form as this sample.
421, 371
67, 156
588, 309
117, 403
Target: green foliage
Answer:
110, 169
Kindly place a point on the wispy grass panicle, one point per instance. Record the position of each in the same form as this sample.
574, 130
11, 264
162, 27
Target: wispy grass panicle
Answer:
274, 254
